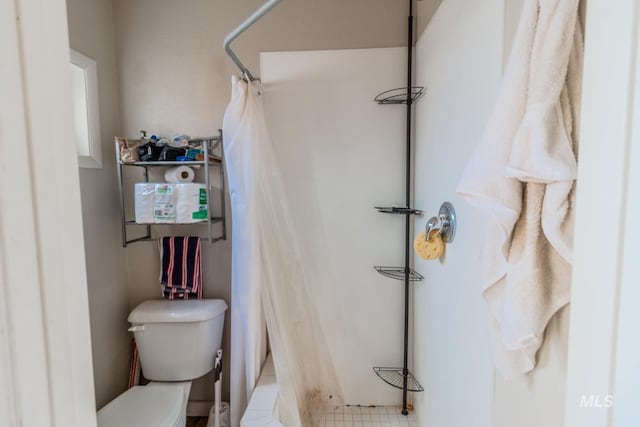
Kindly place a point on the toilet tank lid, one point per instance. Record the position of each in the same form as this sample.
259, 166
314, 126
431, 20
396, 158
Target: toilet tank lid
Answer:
176, 311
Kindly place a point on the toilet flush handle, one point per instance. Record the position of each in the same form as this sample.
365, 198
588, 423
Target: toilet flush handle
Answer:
136, 328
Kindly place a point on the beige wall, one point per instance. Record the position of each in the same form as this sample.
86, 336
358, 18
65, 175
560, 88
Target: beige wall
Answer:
91, 32
174, 74
426, 9
174, 77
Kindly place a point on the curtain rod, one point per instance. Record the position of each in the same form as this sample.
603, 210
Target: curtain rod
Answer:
255, 16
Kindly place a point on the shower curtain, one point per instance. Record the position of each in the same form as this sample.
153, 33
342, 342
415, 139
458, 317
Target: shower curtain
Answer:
268, 281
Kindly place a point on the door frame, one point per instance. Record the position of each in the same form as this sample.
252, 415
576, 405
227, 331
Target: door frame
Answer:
603, 375
46, 373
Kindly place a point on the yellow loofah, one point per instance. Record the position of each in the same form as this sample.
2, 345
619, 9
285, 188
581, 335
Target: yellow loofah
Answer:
429, 249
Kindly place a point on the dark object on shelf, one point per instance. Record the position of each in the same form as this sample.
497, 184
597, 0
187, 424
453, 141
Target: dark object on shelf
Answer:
399, 95
149, 151
171, 154
396, 378
401, 377
399, 273
398, 210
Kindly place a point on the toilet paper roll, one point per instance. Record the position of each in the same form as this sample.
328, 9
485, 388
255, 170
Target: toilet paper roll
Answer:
179, 174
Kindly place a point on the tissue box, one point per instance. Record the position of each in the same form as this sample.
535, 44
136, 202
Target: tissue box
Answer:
168, 203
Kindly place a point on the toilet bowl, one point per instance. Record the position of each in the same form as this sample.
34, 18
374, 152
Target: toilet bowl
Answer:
176, 341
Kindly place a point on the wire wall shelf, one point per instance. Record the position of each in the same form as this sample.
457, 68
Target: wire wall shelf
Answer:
399, 273
399, 95
395, 377
213, 152
398, 210
214, 220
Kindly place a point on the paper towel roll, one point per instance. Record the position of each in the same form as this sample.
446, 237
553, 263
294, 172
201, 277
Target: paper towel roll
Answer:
179, 174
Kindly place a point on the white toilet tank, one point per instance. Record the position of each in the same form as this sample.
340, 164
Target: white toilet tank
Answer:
177, 340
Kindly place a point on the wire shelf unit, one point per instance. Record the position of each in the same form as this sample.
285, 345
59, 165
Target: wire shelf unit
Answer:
213, 155
395, 377
399, 273
399, 95
398, 210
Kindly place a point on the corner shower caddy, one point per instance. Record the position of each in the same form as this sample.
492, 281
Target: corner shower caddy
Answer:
213, 158
401, 377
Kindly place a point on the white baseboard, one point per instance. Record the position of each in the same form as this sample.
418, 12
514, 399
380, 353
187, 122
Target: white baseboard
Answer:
199, 408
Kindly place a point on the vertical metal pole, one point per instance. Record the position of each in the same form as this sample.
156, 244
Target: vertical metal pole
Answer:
405, 370
206, 145
146, 179
223, 188
121, 191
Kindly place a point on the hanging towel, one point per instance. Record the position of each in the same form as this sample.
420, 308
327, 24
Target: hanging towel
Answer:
522, 177
180, 267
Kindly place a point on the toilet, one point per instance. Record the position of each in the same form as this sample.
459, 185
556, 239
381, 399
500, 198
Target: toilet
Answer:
177, 342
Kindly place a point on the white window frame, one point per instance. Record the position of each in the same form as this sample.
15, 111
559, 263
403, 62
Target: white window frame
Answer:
94, 158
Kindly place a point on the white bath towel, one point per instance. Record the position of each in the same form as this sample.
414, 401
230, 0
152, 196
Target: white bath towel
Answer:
522, 176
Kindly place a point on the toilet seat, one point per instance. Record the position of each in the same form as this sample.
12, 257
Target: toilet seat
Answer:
153, 405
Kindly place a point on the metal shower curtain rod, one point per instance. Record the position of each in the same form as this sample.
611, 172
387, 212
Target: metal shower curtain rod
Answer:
255, 16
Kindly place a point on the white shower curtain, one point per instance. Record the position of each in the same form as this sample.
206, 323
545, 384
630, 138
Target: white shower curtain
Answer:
268, 280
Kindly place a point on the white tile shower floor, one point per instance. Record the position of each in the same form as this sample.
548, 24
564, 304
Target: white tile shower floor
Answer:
367, 416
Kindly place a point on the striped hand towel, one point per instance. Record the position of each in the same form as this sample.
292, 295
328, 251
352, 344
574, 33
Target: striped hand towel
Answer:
180, 267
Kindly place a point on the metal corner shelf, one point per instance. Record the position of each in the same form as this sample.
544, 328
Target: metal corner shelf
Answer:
209, 146
399, 95
400, 273
396, 378
397, 210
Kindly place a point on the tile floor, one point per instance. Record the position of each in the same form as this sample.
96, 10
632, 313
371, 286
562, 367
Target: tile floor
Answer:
350, 416
367, 416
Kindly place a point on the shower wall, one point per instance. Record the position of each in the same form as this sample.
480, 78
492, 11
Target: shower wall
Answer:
341, 154
460, 60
